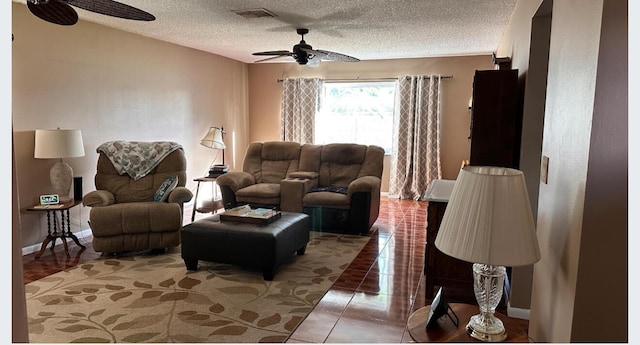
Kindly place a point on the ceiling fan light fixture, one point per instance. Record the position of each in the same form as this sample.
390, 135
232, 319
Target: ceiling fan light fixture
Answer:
302, 59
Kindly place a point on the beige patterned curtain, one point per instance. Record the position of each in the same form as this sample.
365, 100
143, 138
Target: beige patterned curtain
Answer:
416, 137
300, 100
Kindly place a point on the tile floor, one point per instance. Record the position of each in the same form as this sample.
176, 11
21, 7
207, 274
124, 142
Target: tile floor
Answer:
369, 303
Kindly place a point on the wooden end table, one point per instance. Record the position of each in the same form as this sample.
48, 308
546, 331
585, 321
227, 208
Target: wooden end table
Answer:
64, 232
214, 194
446, 331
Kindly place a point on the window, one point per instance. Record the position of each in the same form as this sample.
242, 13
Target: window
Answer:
356, 112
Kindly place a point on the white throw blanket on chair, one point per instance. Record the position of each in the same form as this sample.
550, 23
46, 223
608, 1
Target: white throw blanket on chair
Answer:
137, 158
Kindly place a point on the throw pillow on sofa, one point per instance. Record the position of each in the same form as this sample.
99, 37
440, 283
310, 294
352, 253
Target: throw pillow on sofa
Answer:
165, 188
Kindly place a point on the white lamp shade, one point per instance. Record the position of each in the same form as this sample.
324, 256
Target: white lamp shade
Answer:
213, 139
488, 219
58, 143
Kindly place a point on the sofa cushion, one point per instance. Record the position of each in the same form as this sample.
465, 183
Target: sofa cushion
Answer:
340, 164
125, 189
261, 193
344, 154
327, 199
137, 241
371, 165
270, 162
274, 171
310, 157
137, 217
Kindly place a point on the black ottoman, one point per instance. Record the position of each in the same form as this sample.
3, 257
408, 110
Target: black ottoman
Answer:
264, 246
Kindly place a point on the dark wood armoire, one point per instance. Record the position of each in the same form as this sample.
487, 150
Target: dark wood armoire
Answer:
496, 126
496, 122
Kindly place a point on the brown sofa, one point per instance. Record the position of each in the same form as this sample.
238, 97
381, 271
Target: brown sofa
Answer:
124, 215
338, 185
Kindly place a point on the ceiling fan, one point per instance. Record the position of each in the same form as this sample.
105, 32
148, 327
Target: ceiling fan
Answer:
304, 54
60, 12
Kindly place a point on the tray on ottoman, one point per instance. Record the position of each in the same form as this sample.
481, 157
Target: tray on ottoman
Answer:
245, 214
265, 246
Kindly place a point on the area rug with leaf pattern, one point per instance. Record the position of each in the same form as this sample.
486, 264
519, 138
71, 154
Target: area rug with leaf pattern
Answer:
153, 298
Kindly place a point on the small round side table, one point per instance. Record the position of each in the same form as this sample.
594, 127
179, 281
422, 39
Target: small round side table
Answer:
446, 331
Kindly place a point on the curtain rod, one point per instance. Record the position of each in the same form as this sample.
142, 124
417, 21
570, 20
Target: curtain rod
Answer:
368, 79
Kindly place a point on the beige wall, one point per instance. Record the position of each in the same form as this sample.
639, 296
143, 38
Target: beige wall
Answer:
265, 96
570, 91
581, 218
19, 327
115, 86
604, 259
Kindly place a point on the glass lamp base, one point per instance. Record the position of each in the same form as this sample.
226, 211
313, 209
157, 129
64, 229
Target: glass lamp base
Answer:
488, 286
486, 327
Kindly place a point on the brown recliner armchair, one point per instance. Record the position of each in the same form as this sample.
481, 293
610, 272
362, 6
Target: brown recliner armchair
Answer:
128, 213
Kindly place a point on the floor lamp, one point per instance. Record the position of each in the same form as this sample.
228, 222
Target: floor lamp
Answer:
488, 222
59, 143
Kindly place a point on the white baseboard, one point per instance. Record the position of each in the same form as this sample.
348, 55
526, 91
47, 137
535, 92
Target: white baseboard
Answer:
518, 313
36, 247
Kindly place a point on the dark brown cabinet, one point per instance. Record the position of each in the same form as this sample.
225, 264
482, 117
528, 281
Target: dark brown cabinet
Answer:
456, 276
496, 121
496, 125
440, 269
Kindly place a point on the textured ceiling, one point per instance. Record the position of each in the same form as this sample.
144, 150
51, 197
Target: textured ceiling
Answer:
366, 29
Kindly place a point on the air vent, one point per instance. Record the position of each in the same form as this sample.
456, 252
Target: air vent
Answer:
254, 13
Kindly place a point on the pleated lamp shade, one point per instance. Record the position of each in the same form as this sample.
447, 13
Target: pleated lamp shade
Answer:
488, 219
213, 139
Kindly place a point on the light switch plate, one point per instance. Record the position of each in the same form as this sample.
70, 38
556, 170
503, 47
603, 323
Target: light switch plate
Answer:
544, 169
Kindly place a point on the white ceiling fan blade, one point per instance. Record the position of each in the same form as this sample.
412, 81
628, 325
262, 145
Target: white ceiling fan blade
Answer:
313, 52
333, 56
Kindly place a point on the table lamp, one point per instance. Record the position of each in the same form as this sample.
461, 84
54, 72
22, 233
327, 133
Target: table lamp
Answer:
59, 143
214, 139
488, 222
